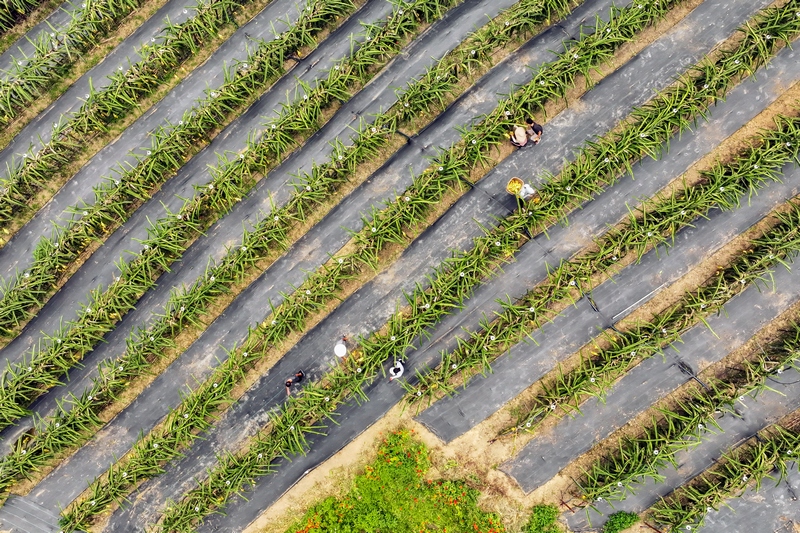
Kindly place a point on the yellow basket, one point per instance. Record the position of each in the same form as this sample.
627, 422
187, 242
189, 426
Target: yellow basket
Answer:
514, 186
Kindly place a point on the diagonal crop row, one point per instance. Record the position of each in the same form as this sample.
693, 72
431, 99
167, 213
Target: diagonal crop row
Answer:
661, 218
642, 457
750, 464
286, 431
316, 289
453, 282
385, 226
160, 59
720, 187
599, 166
55, 52
15, 11
68, 427
169, 237
119, 196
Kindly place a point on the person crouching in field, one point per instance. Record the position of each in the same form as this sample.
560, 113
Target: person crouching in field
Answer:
518, 137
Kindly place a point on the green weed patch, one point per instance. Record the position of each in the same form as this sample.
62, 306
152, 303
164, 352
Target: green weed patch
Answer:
393, 495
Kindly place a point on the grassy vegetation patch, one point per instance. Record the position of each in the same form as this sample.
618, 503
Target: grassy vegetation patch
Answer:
393, 495
544, 519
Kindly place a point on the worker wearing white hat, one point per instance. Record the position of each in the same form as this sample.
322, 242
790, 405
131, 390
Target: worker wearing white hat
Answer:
340, 349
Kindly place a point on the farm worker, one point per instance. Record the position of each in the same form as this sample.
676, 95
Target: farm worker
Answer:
534, 130
340, 349
396, 371
518, 137
298, 377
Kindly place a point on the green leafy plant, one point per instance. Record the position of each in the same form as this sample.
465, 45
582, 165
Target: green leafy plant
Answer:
544, 519
619, 521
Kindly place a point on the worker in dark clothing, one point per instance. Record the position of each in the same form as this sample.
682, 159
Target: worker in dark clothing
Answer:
534, 130
298, 377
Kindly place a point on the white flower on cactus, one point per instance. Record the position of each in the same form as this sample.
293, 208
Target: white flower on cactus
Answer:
216, 385
155, 445
655, 452
407, 199
212, 278
26, 275
374, 229
552, 406
454, 366
358, 370
124, 474
392, 338
373, 130
85, 213
308, 292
